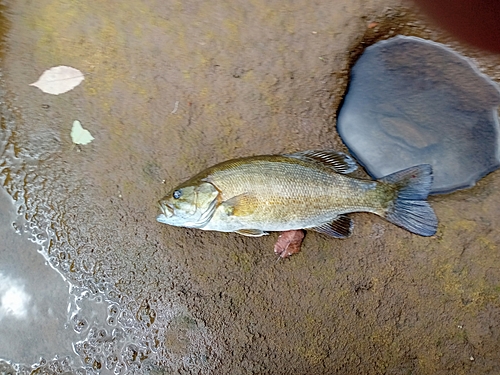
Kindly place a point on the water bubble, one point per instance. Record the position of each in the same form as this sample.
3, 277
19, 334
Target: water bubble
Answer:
126, 319
53, 261
65, 265
109, 345
96, 365
129, 353
92, 287
6, 368
55, 367
41, 238
112, 295
93, 336
111, 361
78, 348
134, 368
86, 347
16, 227
87, 360
120, 368
22, 369
118, 334
113, 310
146, 314
65, 364
87, 265
79, 324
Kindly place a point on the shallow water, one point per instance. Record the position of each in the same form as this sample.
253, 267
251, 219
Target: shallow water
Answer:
171, 88
34, 299
58, 311
46, 322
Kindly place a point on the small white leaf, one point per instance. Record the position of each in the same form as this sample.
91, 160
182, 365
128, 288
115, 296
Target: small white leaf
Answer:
59, 79
79, 135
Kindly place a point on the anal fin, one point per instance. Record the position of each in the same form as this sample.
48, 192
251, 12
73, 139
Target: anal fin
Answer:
340, 227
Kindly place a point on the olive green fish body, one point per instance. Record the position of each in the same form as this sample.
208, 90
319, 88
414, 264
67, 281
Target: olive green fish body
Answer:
276, 193
312, 189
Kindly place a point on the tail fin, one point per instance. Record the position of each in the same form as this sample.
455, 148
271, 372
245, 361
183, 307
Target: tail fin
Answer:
410, 210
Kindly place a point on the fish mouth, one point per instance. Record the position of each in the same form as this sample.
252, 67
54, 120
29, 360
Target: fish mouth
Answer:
166, 209
167, 212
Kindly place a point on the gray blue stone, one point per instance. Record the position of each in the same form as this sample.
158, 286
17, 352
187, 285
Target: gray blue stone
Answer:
411, 101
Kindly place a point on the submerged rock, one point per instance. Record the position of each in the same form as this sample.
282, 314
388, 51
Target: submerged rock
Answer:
412, 101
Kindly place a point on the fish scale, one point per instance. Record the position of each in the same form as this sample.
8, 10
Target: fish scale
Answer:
291, 190
306, 190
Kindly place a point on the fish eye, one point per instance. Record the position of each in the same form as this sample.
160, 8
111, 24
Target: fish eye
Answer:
177, 194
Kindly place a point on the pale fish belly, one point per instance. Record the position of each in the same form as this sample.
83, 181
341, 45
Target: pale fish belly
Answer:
227, 223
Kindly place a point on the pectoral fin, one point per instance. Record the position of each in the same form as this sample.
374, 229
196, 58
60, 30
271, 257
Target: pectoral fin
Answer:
252, 232
341, 227
241, 205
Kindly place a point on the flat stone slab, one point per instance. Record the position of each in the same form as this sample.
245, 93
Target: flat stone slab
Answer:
412, 101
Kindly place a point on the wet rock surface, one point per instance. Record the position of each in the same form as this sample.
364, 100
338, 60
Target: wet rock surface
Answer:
174, 87
411, 101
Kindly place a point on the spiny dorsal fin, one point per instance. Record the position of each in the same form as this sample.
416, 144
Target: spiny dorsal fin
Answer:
338, 161
340, 227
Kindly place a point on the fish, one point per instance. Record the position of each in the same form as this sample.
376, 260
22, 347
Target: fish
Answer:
311, 190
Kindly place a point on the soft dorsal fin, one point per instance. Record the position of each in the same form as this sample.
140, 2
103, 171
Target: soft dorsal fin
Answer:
340, 227
338, 161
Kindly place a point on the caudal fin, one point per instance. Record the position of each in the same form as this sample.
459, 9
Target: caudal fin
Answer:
410, 210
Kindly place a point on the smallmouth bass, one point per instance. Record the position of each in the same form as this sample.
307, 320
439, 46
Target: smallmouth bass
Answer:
305, 190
